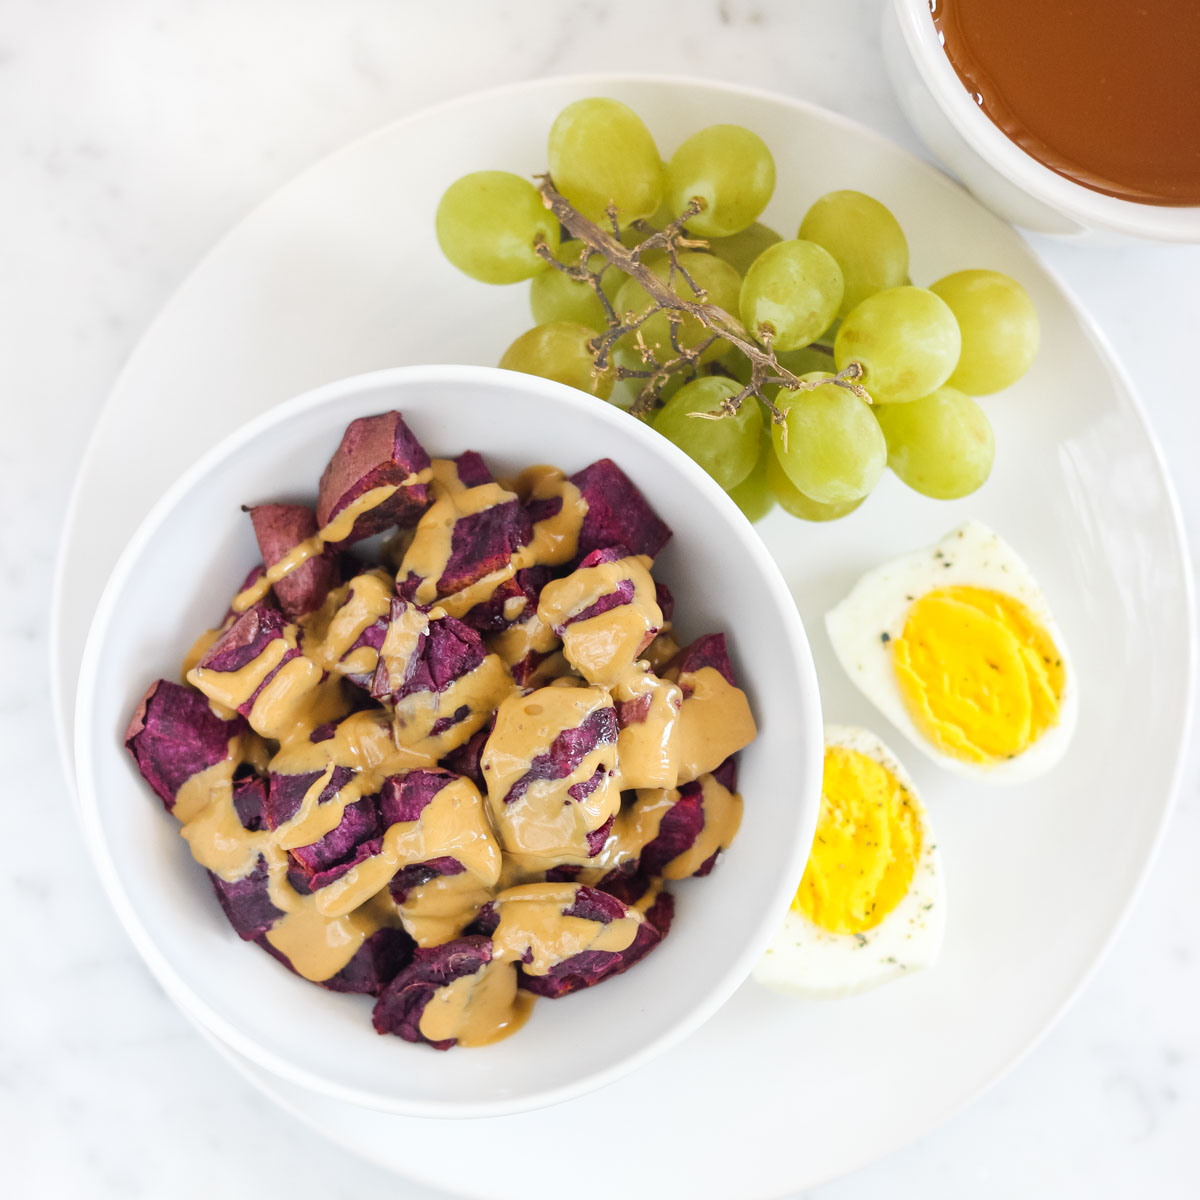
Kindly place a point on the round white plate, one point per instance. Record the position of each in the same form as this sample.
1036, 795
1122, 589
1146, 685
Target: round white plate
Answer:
339, 273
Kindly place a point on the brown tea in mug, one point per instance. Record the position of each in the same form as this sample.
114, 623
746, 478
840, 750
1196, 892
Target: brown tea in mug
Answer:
1105, 92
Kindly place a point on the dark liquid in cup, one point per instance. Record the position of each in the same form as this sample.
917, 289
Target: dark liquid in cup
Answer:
1105, 92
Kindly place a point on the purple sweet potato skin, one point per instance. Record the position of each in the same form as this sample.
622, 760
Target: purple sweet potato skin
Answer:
279, 528
174, 734
374, 451
402, 1002
568, 750
707, 651
416, 874
617, 512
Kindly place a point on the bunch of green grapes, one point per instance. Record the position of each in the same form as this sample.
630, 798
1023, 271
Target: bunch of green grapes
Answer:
833, 305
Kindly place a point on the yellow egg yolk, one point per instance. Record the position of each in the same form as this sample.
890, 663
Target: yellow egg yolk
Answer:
866, 848
980, 677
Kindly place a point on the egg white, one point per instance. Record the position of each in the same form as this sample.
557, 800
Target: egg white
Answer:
863, 626
804, 959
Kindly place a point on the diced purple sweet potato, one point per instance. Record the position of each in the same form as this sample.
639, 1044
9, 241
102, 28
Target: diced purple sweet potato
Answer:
617, 512
480, 543
247, 638
568, 750
174, 734
680, 827
354, 839
592, 966
465, 759
404, 798
375, 963
727, 774
378, 451
403, 1001
491, 616
250, 799
444, 653
247, 902
707, 651
280, 528
472, 470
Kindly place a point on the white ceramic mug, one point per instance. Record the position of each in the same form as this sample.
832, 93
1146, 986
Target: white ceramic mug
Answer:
996, 169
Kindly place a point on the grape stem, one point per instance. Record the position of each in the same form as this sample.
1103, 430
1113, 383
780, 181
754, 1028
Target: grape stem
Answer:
765, 368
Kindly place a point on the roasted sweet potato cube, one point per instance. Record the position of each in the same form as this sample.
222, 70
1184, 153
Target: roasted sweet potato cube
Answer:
375, 452
280, 528
174, 734
617, 513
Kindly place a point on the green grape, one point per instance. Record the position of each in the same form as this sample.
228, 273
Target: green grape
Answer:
791, 293
726, 449
716, 277
601, 153
559, 350
793, 500
906, 340
866, 240
753, 495
487, 224
940, 445
835, 451
727, 167
739, 250
999, 329
555, 296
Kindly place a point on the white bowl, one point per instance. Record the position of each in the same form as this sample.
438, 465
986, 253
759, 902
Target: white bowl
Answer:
175, 578
995, 168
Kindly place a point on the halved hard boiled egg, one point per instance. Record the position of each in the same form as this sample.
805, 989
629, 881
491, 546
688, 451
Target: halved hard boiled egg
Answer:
955, 644
871, 904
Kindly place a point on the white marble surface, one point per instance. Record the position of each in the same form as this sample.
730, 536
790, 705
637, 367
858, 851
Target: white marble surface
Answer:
135, 133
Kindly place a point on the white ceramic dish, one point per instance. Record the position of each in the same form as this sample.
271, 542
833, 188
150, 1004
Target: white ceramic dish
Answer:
315, 285
175, 578
994, 167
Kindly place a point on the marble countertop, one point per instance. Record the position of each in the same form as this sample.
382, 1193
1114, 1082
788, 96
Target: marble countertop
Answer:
138, 131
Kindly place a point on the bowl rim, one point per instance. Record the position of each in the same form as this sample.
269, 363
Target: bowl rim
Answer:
1172, 223
88, 731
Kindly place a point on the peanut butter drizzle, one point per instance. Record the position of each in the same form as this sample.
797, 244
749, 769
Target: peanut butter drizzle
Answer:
546, 821
480, 691
337, 530
198, 649
601, 647
478, 1009
530, 636
714, 723
317, 946
722, 819
554, 540
647, 752
660, 651
439, 910
453, 824
533, 921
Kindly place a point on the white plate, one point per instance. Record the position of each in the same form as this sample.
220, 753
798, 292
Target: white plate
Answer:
339, 273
